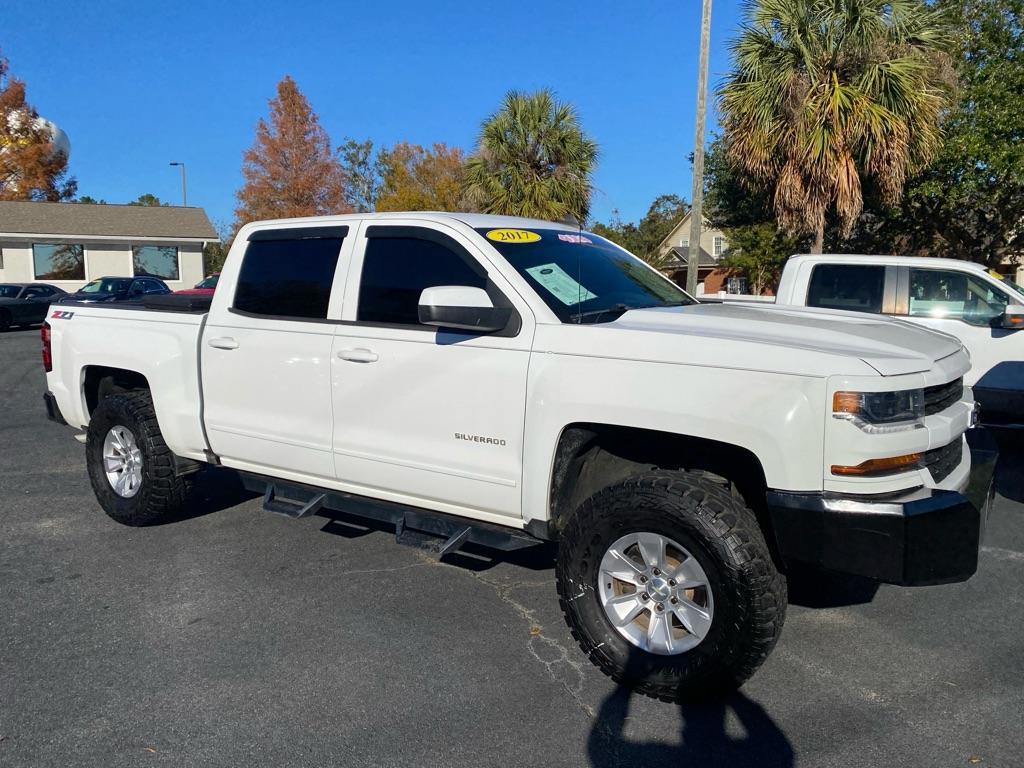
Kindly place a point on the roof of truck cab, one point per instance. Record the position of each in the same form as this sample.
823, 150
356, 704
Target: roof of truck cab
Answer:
910, 261
475, 220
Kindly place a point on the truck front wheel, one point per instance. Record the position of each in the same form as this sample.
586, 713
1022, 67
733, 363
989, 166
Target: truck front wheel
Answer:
667, 584
130, 466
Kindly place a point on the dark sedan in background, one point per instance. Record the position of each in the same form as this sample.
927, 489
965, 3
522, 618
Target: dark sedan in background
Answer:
117, 289
25, 303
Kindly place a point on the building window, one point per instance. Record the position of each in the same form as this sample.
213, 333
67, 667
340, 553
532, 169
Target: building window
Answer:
58, 262
155, 261
719, 245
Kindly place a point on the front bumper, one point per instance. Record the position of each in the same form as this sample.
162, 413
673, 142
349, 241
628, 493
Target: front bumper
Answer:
926, 536
52, 409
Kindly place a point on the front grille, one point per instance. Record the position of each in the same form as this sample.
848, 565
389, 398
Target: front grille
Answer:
941, 461
941, 396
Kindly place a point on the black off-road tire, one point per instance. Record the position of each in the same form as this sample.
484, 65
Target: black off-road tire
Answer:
161, 496
723, 534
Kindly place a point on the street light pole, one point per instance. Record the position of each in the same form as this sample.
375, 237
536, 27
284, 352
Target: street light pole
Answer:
184, 196
697, 199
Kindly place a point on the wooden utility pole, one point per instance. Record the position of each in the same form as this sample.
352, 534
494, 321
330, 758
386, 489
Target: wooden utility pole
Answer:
697, 199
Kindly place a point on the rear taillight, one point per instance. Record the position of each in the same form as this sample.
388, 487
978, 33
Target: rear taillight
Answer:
44, 334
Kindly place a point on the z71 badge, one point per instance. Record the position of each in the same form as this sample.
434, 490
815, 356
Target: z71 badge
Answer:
61, 314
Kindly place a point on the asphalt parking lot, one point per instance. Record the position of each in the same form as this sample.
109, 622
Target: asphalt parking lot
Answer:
238, 637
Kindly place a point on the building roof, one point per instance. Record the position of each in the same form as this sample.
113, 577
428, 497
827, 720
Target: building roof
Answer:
103, 221
685, 222
679, 256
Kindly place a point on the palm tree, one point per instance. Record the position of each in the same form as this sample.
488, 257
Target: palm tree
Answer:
825, 93
532, 159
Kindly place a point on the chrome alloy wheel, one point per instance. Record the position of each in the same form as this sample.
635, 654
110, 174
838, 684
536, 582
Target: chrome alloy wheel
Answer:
655, 593
122, 461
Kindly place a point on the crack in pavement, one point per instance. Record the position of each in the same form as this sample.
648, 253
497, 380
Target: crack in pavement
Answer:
556, 659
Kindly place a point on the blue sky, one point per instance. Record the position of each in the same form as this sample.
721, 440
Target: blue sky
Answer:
138, 84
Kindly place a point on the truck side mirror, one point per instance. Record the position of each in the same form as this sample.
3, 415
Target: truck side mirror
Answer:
1013, 317
461, 307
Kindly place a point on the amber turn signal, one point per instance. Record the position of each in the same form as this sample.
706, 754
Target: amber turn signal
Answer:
887, 466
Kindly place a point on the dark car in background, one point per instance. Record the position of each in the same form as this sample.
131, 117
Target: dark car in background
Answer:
104, 289
25, 303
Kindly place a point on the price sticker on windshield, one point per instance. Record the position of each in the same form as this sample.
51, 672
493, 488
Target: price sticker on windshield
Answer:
512, 236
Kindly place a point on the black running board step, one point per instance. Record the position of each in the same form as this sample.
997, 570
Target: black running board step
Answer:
292, 509
451, 529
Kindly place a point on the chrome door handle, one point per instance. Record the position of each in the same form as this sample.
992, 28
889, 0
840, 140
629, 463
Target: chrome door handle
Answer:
359, 355
223, 342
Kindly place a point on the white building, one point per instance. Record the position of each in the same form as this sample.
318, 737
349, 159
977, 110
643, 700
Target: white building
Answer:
68, 244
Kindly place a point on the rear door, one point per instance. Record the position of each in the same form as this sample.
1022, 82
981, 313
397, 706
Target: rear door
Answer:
853, 287
422, 415
266, 354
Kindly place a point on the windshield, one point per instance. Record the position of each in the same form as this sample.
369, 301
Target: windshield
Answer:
1008, 283
9, 291
210, 282
583, 278
107, 285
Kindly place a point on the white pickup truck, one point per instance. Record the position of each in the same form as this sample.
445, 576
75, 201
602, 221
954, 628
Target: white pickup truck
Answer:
981, 308
503, 381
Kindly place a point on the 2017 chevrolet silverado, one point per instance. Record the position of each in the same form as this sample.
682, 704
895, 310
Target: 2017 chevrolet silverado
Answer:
504, 381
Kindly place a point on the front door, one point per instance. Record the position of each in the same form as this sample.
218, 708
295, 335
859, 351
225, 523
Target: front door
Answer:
266, 354
424, 416
969, 306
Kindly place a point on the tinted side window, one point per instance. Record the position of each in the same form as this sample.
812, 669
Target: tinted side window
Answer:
855, 287
955, 295
289, 278
395, 272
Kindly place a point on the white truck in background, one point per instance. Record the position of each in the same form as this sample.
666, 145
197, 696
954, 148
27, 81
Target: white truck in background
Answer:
506, 381
981, 308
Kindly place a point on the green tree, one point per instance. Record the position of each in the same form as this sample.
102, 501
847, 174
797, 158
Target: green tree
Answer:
532, 159
87, 200
147, 199
759, 252
969, 203
827, 94
363, 174
643, 239
214, 254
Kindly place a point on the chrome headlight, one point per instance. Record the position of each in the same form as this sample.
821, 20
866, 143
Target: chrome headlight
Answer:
881, 411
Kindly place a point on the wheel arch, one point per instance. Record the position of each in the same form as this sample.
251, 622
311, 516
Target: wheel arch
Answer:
590, 456
98, 381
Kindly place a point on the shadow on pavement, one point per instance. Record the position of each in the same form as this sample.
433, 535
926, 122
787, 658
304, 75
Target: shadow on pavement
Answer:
215, 489
703, 737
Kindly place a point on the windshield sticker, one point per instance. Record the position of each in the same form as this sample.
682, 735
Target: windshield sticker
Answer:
578, 239
512, 236
563, 287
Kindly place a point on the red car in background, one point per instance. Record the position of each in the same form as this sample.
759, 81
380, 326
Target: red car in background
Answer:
203, 288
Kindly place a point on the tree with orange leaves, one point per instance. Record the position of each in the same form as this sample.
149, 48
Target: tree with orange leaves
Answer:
290, 169
418, 179
30, 168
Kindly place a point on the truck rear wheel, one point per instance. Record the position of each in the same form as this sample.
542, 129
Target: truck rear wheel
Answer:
667, 584
130, 466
